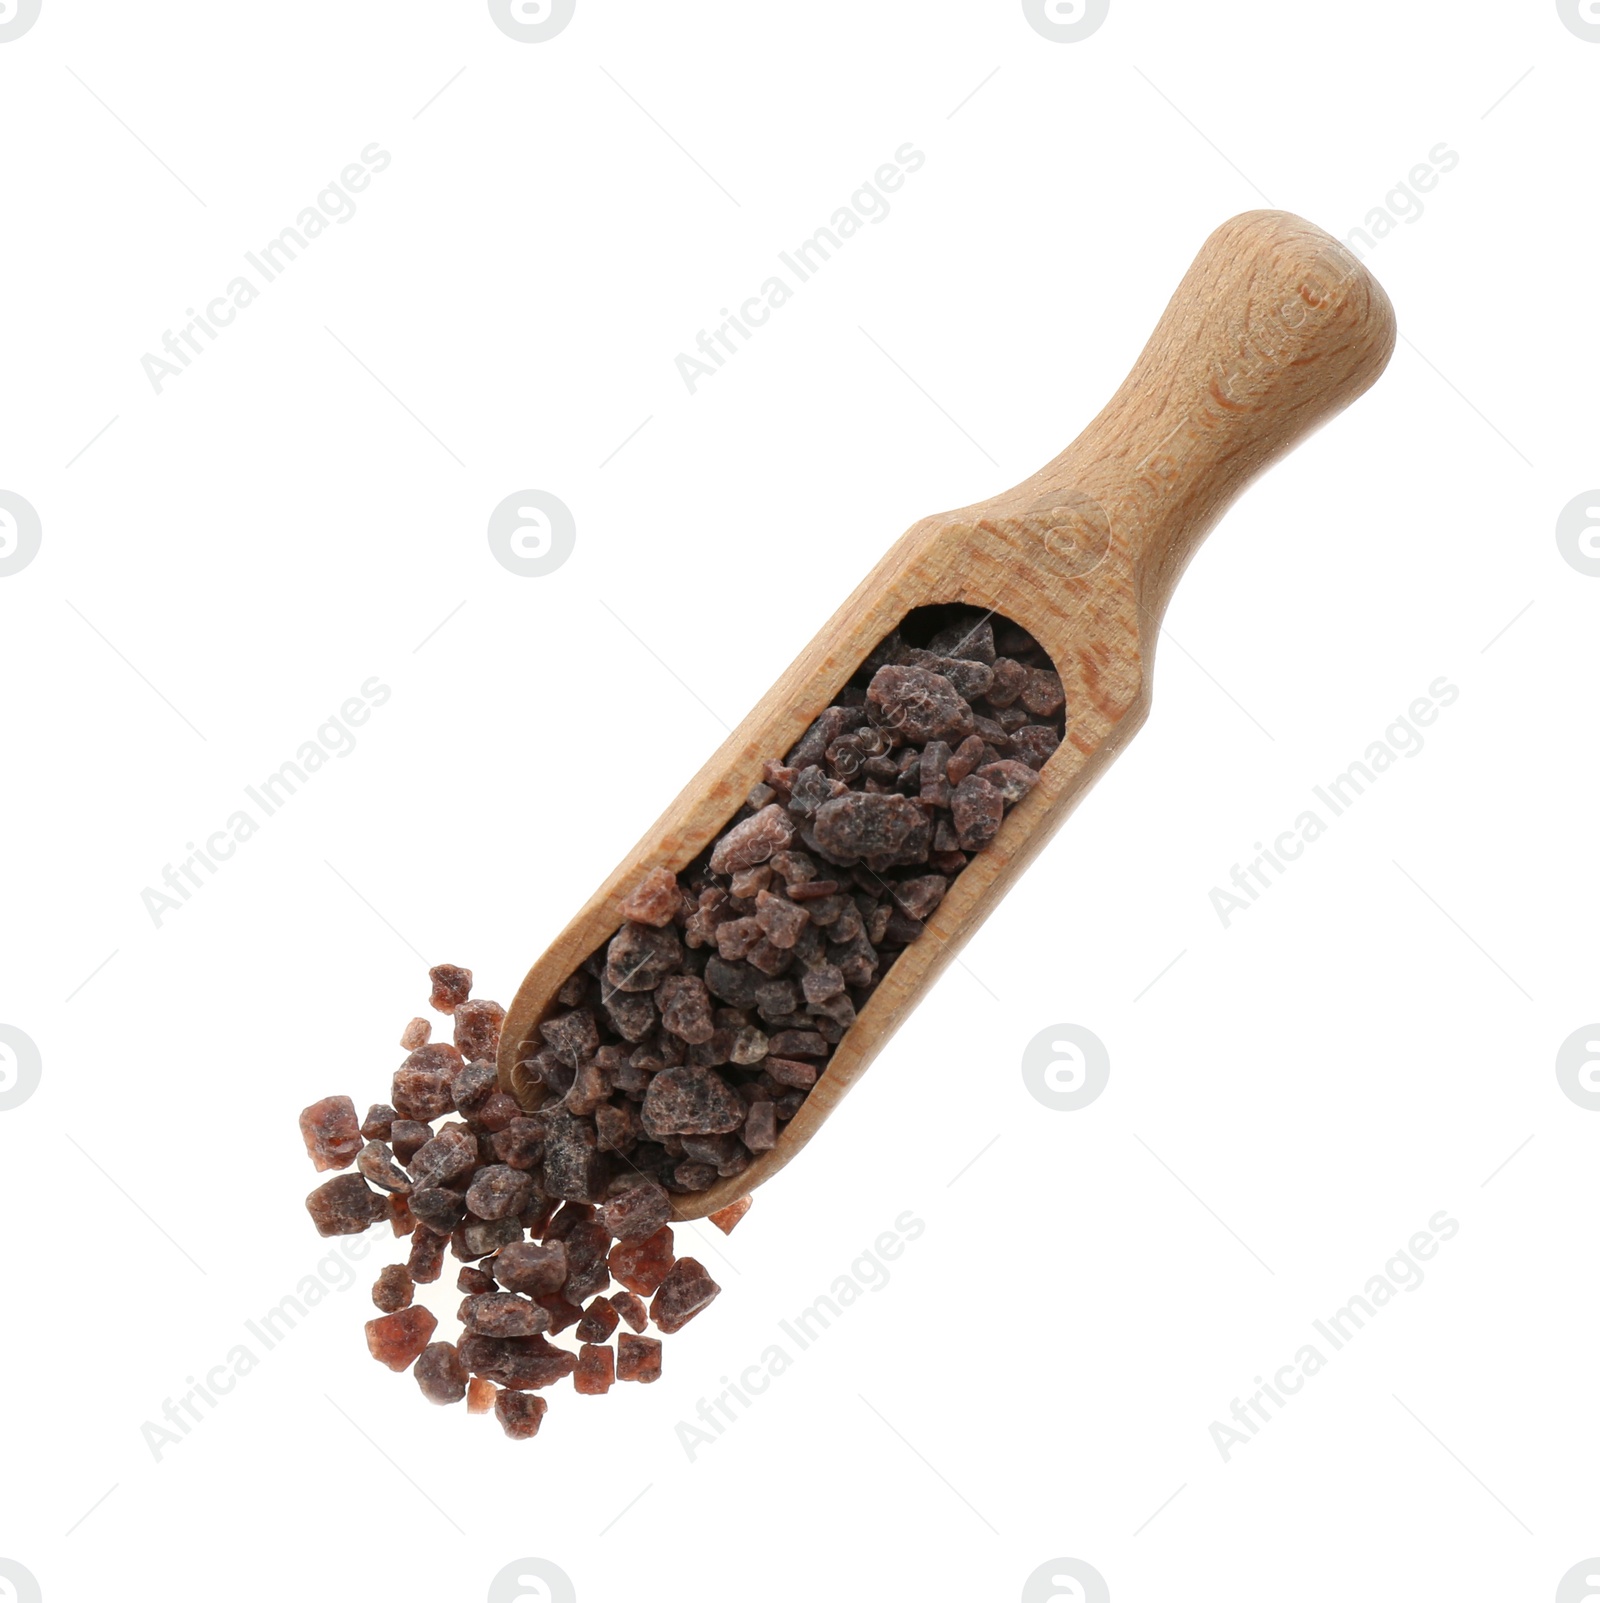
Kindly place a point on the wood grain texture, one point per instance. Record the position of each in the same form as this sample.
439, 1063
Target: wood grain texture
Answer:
1274, 329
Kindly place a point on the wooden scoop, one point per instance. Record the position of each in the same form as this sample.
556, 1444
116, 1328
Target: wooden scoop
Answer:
1274, 329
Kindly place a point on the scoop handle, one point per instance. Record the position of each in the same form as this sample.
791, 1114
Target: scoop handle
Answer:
1275, 328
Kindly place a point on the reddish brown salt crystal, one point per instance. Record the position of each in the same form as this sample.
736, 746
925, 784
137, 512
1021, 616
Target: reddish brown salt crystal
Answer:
1034, 745
378, 1122
427, 1254
750, 882
1009, 678
966, 639
690, 1100
421, 1088
497, 1112
760, 1128
478, 1028
562, 1313
746, 1045
781, 920
599, 1320
758, 797
694, 1175
574, 990
587, 1271
451, 987
520, 1414
641, 1266
477, 1238
416, 1034
655, 900
752, 841
574, 1167
637, 1211
1042, 693
331, 1132
499, 1191
616, 1127
474, 1281
396, 1339
344, 1206
919, 897
400, 1214
768, 958
567, 1219
726, 1218
531, 1267
685, 1007
893, 828
441, 1374
630, 1309
789, 1104
964, 759
523, 1363
378, 1167
1012, 779
481, 1394
502, 1313
798, 1044
811, 790
445, 1159
595, 1372
407, 1137
976, 809
520, 1145
640, 957
786, 1071
736, 937
393, 1288
638, 1358
686, 1290
950, 862
917, 704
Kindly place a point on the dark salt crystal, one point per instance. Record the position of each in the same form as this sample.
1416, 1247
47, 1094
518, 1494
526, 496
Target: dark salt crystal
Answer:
1009, 679
976, 809
690, 1100
1042, 693
438, 1207
632, 1014
587, 1272
449, 1157
473, 1281
686, 1290
379, 1122
786, 1071
563, 1314
736, 938
331, 1132
752, 841
451, 987
640, 957
531, 1267
917, 704
520, 1413
473, 1086
567, 1219
760, 1127
400, 1214
685, 1008
964, 759
1034, 745
693, 1175
599, 1320
574, 1168
427, 1254
521, 1144
573, 1036
890, 827
502, 1313
918, 897
498, 1111
595, 1372
827, 728
347, 1205
477, 1238
638, 1211
522, 1363
441, 1374
798, 1044
968, 637
1012, 779
377, 1166
638, 1358
630, 1309
811, 790
499, 1191
393, 1288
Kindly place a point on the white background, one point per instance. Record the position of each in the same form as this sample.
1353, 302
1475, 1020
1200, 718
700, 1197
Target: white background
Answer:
305, 507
